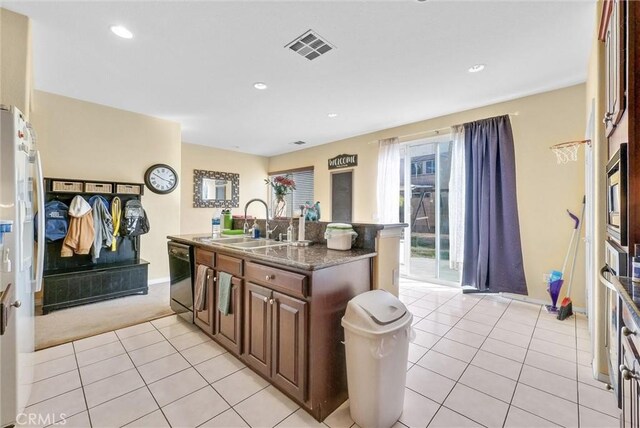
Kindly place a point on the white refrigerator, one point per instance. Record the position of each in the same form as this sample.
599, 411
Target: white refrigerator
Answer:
21, 263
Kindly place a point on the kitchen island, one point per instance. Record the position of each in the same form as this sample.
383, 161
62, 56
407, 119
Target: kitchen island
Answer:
286, 304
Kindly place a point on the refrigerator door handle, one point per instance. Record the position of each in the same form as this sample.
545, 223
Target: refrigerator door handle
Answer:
37, 285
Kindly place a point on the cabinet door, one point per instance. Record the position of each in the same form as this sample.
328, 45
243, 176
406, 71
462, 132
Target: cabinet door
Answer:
204, 318
289, 366
629, 376
257, 328
227, 328
615, 64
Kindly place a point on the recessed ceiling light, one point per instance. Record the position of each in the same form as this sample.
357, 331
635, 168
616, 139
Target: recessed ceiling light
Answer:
476, 68
260, 85
121, 31
332, 115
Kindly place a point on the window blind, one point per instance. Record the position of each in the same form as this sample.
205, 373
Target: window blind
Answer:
303, 192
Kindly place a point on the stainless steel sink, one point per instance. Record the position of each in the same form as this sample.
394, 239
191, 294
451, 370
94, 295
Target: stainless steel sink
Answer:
242, 242
254, 243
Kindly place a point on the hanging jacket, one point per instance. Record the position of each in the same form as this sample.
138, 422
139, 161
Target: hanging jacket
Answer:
56, 221
102, 224
116, 215
81, 233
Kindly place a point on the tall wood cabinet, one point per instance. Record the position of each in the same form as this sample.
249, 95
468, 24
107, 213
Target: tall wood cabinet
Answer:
620, 32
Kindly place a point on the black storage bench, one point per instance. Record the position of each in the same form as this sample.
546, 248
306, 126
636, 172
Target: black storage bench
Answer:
77, 280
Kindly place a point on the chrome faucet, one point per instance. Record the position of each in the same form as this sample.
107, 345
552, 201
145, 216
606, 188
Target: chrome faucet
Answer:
245, 227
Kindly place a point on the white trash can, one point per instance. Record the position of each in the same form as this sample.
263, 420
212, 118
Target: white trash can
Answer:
377, 332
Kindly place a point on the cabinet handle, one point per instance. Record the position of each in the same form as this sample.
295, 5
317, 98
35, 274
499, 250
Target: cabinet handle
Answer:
627, 331
608, 117
270, 277
16, 304
626, 373
271, 301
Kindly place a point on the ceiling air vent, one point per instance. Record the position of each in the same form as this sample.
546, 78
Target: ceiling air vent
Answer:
310, 45
298, 143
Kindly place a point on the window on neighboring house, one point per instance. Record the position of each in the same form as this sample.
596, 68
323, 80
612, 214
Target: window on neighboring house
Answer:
430, 166
303, 178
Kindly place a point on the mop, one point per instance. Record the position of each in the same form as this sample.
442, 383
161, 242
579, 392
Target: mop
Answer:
556, 277
566, 307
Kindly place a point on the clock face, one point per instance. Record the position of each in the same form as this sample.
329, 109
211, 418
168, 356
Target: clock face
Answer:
161, 179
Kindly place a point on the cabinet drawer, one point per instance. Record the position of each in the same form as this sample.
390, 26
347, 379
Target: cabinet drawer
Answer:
229, 264
205, 257
97, 187
278, 279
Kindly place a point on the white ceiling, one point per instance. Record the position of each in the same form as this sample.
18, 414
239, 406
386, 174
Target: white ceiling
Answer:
396, 62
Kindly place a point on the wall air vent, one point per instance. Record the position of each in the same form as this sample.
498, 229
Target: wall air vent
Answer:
299, 143
310, 45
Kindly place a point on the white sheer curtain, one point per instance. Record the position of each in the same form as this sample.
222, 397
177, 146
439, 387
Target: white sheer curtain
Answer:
388, 197
456, 200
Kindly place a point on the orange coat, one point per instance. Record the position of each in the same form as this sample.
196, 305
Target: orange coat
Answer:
80, 235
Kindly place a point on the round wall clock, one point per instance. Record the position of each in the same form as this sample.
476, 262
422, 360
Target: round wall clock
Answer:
161, 178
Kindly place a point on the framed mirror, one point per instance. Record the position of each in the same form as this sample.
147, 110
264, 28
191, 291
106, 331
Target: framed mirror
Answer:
215, 189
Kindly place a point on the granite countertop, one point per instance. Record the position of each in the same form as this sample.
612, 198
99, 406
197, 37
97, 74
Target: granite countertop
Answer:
629, 292
314, 257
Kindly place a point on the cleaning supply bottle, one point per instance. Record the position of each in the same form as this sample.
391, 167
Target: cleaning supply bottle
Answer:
290, 231
215, 224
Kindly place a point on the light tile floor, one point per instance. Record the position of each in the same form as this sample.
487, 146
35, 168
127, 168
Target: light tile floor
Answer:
476, 360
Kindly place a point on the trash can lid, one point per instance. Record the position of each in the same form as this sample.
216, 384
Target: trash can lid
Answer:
382, 306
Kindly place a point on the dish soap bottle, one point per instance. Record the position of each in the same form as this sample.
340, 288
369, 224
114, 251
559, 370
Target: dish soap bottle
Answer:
215, 224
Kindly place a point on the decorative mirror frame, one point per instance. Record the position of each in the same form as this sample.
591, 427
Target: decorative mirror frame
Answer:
198, 202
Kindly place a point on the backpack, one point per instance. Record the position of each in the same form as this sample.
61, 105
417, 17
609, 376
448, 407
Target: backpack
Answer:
134, 221
56, 221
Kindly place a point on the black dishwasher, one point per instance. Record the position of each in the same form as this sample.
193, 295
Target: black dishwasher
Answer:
181, 285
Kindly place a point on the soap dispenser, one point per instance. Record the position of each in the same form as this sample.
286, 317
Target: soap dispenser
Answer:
255, 229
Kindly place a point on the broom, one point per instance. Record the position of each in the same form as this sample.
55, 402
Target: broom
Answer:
566, 306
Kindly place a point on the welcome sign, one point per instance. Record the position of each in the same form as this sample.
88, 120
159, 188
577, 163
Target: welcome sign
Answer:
343, 161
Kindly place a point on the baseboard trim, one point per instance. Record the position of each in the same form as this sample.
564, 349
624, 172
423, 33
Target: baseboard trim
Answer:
528, 299
158, 280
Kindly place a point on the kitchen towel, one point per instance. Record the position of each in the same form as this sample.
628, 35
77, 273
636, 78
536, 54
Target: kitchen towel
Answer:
202, 274
224, 293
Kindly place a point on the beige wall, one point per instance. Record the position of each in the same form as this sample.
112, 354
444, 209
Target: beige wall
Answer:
545, 189
15, 60
83, 140
252, 170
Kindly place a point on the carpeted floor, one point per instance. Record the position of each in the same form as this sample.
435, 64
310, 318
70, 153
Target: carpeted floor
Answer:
70, 324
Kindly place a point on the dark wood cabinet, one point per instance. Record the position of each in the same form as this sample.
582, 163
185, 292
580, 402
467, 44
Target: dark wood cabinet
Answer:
289, 344
205, 318
613, 32
257, 328
276, 338
228, 328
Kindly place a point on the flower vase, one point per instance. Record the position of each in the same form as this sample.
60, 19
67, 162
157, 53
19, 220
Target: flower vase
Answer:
279, 207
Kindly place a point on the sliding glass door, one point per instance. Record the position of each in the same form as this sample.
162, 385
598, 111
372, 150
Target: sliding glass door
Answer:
425, 168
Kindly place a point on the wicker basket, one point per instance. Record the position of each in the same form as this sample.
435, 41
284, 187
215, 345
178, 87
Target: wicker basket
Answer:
98, 187
67, 186
129, 189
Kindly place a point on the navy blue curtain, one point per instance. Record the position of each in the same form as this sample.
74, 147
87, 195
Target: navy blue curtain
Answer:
492, 248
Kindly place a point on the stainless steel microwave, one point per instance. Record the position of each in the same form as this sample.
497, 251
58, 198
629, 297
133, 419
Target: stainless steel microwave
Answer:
617, 196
